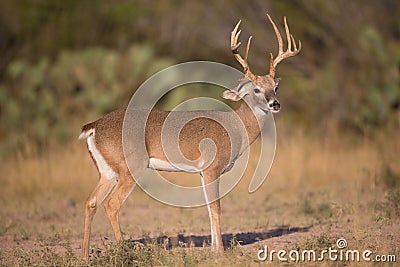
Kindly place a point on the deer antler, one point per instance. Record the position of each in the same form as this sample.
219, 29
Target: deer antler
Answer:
282, 54
234, 47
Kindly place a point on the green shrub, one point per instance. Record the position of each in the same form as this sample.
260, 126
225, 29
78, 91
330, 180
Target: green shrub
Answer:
49, 101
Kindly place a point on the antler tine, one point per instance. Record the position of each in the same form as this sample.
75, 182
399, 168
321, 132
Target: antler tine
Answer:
234, 47
282, 54
247, 48
294, 44
288, 35
278, 35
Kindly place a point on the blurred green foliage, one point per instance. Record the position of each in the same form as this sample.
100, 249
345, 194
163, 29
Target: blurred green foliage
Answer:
63, 63
46, 101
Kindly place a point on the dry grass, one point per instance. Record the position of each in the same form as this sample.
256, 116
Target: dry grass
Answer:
331, 186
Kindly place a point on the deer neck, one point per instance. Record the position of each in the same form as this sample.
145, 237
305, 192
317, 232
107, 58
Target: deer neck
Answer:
252, 120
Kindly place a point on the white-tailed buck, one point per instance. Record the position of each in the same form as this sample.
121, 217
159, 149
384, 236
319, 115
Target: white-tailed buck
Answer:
104, 141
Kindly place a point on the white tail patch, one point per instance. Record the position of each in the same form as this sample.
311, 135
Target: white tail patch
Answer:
101, 163
86, 134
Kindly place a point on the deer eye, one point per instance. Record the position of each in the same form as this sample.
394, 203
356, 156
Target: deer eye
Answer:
276, 89
257, 91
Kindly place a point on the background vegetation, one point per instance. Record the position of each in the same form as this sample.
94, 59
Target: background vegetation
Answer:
64, 63
336, 171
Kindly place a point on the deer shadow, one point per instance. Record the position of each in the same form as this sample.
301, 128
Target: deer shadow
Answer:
229, 239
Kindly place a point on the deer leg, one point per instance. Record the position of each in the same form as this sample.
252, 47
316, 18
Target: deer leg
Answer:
211, 194
113, 204
98, 195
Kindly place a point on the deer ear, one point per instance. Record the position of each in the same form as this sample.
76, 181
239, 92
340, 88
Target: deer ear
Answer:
230, 95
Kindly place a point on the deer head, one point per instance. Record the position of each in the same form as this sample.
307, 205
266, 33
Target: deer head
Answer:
260, 91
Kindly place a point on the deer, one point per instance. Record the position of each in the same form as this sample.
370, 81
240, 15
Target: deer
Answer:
116, 182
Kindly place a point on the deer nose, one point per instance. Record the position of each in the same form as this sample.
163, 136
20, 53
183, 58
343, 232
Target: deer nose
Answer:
275, 105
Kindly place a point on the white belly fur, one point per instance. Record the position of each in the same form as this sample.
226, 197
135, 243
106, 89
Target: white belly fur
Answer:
161, 165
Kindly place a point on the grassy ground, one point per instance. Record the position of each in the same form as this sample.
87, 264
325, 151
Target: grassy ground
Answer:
319, 189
